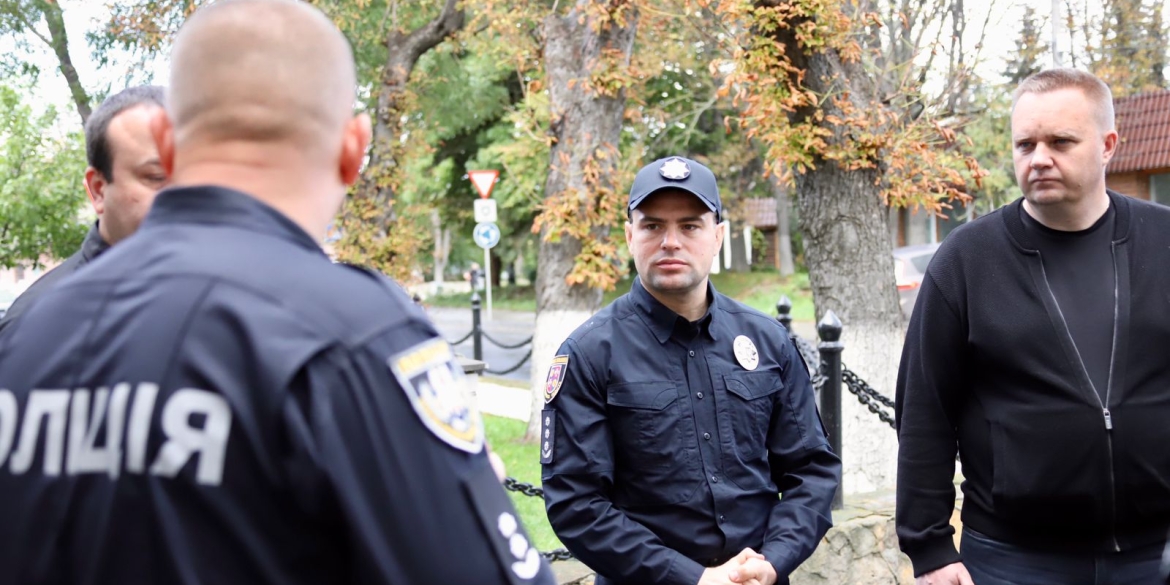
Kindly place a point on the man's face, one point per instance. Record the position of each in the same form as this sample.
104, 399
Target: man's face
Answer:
673, 238
1060, 147
122, 200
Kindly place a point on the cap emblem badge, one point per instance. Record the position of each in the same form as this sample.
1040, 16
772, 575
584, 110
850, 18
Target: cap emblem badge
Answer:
675, 169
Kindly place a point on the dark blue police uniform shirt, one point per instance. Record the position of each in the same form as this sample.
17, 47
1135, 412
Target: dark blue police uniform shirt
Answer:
665, 454
214, 402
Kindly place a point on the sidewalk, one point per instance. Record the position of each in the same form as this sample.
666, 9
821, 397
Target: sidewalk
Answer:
500, 400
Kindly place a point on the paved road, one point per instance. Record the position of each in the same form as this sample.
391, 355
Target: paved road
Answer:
508, 327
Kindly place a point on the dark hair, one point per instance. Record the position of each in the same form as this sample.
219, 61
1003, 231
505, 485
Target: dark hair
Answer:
97, 147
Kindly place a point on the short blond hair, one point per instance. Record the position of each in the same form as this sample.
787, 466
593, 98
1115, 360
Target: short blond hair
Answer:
1051, 80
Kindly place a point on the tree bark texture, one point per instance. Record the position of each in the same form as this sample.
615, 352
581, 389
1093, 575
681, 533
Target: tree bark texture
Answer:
583, 123
849, 256
787, 264
403, 51
59, 43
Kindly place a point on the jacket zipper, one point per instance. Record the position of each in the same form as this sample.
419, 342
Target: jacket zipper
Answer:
1104, 404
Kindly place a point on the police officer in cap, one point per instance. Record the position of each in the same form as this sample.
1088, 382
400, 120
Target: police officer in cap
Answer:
675, 417
213, 400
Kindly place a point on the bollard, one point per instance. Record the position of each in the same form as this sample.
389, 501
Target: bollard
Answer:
784, 312
829, 330
476, 331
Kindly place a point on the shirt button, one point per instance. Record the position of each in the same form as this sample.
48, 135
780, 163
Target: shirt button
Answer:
714, 479
707, 436
699, 395
691, 353
722, 518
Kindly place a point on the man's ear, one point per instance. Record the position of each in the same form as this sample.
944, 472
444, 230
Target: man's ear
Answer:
95, 188
163, 133
353, 147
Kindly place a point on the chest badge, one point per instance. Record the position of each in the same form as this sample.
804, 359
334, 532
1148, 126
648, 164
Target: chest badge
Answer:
745, 352
439, 393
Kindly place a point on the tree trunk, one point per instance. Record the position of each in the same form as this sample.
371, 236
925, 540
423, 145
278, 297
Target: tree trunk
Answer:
739, 253
584, 122
402, 53
849, 256
55, 20
783, 231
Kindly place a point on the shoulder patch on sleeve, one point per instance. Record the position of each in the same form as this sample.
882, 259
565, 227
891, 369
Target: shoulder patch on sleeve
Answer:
556, 377
438, 391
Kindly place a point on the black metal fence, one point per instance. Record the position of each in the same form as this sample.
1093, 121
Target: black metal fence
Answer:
831, 375
478, 335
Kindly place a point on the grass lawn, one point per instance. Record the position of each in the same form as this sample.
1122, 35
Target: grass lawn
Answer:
759, 290
523, 461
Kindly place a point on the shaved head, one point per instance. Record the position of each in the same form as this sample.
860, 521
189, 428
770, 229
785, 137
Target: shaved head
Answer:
259, 72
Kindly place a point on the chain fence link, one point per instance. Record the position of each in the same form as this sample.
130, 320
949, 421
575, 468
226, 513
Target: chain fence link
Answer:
462, 339
868, 396
512, 484
812, 359
522, 361
502, 345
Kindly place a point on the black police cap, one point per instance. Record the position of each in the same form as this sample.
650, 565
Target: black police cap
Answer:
676, 172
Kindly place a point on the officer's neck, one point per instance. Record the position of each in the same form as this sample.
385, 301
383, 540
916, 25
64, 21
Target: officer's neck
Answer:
282, 180
690, 304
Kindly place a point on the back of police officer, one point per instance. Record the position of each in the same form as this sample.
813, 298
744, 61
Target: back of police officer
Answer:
214, 401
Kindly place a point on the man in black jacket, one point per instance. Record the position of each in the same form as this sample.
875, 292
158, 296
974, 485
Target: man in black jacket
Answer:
123, 177
1031, 352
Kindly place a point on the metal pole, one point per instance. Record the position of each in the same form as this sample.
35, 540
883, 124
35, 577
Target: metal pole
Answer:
784, 312
487, 280
831, 347
476, 330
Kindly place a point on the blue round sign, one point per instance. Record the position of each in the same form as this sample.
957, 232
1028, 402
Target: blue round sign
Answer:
486, 235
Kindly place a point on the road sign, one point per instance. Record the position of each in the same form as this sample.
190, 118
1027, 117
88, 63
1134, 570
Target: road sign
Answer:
483, 181
485, 211
486, 235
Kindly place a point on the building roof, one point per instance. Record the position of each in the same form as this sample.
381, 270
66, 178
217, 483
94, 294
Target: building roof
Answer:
760, 213
1143, 123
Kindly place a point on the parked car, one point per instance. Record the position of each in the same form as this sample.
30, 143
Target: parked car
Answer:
910, 264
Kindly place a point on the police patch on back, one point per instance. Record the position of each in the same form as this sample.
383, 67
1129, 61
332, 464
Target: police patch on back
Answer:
438, 391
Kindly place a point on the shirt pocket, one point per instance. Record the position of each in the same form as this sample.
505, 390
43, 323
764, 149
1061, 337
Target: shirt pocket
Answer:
651, 459
747, 417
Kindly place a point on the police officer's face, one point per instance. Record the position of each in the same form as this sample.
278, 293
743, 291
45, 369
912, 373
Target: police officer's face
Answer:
122, 199
673, 238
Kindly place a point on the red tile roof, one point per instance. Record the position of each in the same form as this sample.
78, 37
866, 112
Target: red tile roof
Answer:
1143, 123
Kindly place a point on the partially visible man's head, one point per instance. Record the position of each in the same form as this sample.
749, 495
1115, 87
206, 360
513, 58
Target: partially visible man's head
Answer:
673, 233
1062, 137
257, 83
124, 171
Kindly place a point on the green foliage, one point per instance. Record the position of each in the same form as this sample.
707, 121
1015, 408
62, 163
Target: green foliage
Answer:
41, 192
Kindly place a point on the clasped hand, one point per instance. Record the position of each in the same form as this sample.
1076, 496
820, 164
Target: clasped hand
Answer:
746, 568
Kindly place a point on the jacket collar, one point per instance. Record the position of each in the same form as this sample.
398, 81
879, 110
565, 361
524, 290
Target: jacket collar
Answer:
661, 320
1020, 237
220, 206
93, 245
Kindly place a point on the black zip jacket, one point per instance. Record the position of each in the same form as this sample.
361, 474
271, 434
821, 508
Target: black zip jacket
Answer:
989, 368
